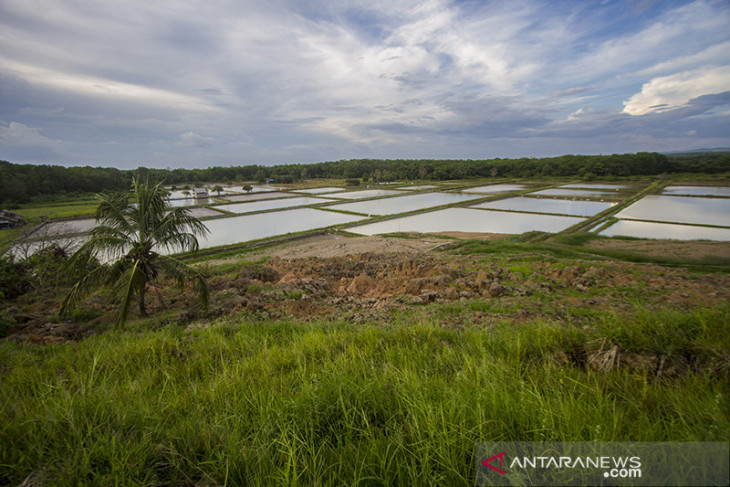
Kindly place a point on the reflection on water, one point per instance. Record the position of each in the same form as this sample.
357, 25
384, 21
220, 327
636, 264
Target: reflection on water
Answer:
548, 205
188, 202
419, 187
323, 190
271, 204
595, 186
23, 250
697, 190
64, 227
496, 188
679, 209
239, 229
404, 204
257, 196
629, 228
469, 220
593, 194
366, 193
200, 212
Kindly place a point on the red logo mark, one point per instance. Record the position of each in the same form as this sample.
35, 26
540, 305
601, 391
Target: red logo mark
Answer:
489, 465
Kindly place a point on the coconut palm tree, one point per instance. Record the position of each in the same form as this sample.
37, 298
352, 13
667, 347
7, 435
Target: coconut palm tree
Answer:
132, 229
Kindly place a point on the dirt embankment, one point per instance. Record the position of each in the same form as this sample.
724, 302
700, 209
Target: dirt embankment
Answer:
367, 279
368, 286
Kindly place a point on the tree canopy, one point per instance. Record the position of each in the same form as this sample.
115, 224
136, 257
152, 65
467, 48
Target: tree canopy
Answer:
133, 228
22, 182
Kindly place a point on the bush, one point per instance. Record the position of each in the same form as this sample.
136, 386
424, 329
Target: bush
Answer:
14, 278
352, 182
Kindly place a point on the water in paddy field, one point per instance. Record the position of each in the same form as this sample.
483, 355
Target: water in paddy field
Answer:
469, 220
496, 188
226, 231
366, 193
697, 190
189, 202
592, 194
668, 215
271, 204
67, 227
404, 204
631, 228
256, 196
323, 190
417, 188
678, 209
547, 205
615, 187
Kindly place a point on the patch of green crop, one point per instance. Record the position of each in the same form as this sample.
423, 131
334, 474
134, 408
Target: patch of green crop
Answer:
64, 209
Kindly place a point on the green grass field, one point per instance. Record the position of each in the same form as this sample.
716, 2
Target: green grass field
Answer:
367, 395
263, 402
76, 207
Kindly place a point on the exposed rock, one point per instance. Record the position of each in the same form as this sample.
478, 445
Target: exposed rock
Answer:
496, 289
361, 285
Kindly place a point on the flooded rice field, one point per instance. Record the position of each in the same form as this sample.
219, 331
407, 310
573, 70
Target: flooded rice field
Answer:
252, 206
264, 195
678, 209
547, 205
227, 231
496, 188
366, 193
403, 204
723, 191
677, 212
589, 194
322, 190
469, 220
639, 229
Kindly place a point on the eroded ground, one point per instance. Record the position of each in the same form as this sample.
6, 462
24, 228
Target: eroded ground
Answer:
373, 279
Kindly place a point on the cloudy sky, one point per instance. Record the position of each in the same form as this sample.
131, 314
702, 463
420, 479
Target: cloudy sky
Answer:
182, 83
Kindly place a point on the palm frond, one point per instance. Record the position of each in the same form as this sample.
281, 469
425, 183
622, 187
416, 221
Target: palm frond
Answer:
183, 273
112, 212
135, 279
178, 231
132, 229
82, 289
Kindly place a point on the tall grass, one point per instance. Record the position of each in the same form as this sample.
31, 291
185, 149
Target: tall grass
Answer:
283, 402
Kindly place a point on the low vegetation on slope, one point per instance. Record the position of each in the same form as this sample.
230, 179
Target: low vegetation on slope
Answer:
377, 368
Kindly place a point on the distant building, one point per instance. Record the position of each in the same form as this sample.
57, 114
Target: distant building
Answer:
200, 193
8, 219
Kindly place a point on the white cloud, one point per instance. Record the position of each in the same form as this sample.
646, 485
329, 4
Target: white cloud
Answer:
104, 88
191, 139
341, 77
17, 138
670, 92
576, 115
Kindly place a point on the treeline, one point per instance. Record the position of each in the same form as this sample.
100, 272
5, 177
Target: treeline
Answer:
22, 183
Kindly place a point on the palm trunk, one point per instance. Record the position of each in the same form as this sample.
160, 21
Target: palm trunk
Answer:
142, 309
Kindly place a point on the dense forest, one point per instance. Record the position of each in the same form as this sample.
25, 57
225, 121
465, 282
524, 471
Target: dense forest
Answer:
21, 183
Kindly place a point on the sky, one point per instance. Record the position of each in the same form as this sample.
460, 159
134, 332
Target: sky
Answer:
180, 83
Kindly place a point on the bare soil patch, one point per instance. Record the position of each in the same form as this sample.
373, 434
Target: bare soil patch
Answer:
367, 279
329, 245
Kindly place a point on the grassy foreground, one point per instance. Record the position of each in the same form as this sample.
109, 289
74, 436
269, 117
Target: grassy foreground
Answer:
324, 402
